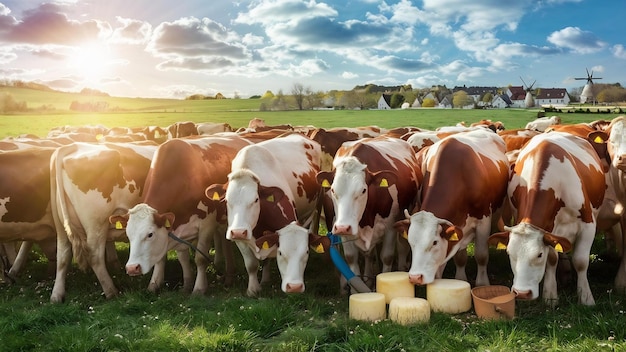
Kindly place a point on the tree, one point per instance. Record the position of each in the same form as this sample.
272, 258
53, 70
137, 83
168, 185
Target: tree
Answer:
461, 99
299, 92
396, 100
428, 103
268, 95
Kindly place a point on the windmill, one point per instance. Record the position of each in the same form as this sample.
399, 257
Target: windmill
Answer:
529, 101
587, 93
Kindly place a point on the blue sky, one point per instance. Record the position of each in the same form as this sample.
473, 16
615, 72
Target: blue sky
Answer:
160, 48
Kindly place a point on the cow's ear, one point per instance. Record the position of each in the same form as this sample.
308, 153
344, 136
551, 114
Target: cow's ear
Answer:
560, 244
499, 240
382, 179
320, 244
164, 220
216, 192
402, 228
120, 221
267, 241
271, 194
452, 233
325, 178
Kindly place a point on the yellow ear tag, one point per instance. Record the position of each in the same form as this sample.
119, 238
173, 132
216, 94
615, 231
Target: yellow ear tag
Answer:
118, 225
319, 248
558, 248
99, 136
157, 134
598, 139
454, 237
216, 196
325, 184
167, 223
265, 245
270, 198
384, 183
405, 235
501, 245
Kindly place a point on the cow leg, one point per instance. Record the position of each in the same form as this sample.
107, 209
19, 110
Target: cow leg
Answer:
97, 248
580, 260
252, 267
266, 274
620, 278
224, 257
460, 261
550, 295
19, 261
64, 259
111, 255
204, 243
389, 249
158, 275
404, 252
369, 271
481, 253
184, 258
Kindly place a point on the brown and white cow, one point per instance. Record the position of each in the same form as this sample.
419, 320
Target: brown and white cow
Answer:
182, 129
272, 188
542, 123
465, 182
89, 183
331, 139
372, 180
25, 202
174, 202
556, 189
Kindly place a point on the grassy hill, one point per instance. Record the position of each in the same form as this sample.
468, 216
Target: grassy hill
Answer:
51, 109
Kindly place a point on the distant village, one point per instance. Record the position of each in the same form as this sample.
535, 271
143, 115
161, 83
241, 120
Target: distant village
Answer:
486, 97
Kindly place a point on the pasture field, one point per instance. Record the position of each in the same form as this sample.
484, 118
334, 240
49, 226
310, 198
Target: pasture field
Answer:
226, 320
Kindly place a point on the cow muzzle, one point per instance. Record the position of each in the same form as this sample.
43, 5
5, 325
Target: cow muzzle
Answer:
342, 229
523, 294
133, 269
238, 234
295, 288
620, 162
416, 279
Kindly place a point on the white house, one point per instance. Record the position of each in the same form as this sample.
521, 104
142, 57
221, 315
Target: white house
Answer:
384, 103
552, 96
501, 101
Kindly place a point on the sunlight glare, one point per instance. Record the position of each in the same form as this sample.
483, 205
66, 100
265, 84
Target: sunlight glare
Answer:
91, 61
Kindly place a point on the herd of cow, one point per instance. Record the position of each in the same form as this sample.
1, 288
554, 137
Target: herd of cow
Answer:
412, 198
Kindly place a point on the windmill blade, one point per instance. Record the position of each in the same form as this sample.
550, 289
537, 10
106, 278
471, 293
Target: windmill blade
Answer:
531, 86
526, 85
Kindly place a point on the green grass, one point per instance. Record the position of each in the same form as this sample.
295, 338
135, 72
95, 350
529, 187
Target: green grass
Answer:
226, 320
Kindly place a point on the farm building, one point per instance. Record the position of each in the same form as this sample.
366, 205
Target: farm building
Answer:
552, 96
384, 103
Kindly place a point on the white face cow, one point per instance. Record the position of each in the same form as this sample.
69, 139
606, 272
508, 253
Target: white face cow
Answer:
242, 205
349, 195
617, 144
429, 238
147, 234
292, 254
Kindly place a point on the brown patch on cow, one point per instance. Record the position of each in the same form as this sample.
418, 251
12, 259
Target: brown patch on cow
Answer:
25, 180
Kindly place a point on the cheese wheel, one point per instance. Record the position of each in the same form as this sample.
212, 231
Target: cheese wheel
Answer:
449, 296
409, 310
394, 284
369, 306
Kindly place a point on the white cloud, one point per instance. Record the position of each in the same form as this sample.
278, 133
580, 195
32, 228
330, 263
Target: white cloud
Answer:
349, 75
577, 40
619, 51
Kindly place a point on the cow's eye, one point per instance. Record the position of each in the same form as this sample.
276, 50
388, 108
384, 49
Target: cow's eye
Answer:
435, 242
364, 190
280, 254
540, 255
150, 235
256, 200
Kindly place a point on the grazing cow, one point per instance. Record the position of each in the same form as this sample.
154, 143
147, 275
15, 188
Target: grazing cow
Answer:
209, 128
465, 180
272, 187
556, 189
174, 203
496, 126
182, 129
25, 202
371, 181
617, 184
89, 183
331, 139
542, 123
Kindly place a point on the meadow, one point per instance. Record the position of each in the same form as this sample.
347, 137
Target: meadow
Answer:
226, 320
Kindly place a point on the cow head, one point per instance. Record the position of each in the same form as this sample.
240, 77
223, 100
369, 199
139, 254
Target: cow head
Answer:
350, 183
292, 255
147, 232
529, 248
617, 143
431, 240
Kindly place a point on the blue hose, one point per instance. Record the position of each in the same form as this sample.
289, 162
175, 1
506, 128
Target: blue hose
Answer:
354, 281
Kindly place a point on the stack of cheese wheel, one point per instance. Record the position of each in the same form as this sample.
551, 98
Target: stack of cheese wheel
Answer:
394, 284
449, 296
409, 310
368, 306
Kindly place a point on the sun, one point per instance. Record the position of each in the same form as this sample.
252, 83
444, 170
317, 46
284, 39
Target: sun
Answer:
91, 62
